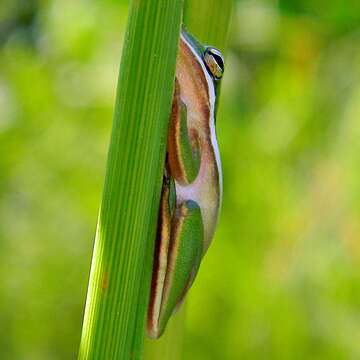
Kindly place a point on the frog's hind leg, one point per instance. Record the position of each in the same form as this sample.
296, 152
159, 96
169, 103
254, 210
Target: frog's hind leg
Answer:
160, 259
185, 251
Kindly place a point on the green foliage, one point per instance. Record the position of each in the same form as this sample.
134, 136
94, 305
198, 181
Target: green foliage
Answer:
281, 279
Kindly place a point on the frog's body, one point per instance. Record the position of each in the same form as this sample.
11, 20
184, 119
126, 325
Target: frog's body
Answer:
192, 188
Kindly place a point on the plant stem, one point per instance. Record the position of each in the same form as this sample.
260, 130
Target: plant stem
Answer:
119, 281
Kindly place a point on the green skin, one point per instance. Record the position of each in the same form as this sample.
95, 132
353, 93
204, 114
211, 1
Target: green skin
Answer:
191, 194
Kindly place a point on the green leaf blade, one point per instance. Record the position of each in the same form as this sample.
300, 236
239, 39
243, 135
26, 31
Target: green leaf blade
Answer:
117, 294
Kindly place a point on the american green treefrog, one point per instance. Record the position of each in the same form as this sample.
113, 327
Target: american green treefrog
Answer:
192, 182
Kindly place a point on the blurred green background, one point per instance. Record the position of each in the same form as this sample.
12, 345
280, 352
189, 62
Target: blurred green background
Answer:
282, 278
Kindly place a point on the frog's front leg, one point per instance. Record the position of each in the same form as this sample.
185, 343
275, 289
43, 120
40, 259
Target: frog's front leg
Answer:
179, 248
183, 145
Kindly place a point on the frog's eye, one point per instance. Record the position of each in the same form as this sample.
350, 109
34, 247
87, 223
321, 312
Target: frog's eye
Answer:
214, 62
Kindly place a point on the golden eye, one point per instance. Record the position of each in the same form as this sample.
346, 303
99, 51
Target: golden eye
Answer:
214, 62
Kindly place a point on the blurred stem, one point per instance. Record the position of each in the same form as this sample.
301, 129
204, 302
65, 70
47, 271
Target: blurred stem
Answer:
208, 21
169, 346
119, 281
